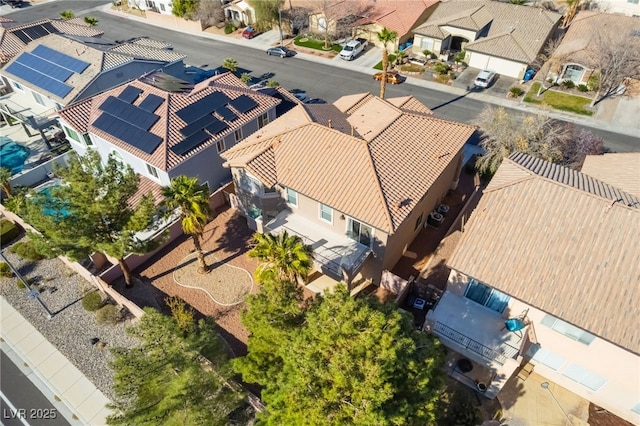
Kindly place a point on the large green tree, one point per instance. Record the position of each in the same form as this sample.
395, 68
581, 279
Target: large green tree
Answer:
163, 379
192, 199
91, 212
5, 180
351, 361
267, 13
282, 257
385, 36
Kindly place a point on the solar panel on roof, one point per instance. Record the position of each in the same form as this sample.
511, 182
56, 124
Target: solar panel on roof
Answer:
22, 36
216, 127
35, 32
204, 106
36, 78
243, 103
50, 28
127, 133
151, 103
129, 94
45, 67
226, 113
131, 114
65, 61
199, 124
193, 141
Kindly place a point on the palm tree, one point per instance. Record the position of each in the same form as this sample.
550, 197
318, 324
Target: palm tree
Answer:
283, 257
572, 9
385, 37
230, 64
5, 180
67, 14
193, 201
91, 21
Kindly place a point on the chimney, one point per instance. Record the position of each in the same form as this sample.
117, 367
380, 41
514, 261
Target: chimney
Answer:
330, 124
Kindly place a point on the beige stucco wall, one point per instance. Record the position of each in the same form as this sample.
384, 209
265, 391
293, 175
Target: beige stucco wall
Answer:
417, 44
618, 366
459, 32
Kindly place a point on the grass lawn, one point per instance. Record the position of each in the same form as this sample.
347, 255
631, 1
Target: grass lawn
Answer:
392, 59
311, 43
559, 100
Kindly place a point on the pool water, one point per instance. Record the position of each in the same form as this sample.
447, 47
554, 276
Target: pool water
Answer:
49, 207
13, 155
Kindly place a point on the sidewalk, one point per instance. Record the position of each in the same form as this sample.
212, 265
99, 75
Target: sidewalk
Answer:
56, 377
623, 123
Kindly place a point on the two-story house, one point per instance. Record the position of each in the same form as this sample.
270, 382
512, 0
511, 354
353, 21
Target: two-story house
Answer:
163, 127
546, 274
503, 37
56, 70
355, 179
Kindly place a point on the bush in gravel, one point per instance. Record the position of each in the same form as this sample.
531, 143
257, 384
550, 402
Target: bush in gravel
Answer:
583, 87
20, 284
91, 301
5, 270
8, 231
516, 91
26, 250
108, 314
441, 68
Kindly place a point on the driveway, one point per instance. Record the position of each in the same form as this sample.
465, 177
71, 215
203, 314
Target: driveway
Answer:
499, 88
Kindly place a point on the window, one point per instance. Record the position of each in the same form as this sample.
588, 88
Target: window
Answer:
250, 184
220, 145
568, 330
162, 8
426, 44
573, 72
238, 134
17, 86
326, 213
636, 408
116, 156
292, 197
263, 120
633, 2
87, 139
71, 133
545, 357
38, 98
419, 221
359, 232
584, 377
152, 171
486, 296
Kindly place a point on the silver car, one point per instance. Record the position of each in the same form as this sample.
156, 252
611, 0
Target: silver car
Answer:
484, 78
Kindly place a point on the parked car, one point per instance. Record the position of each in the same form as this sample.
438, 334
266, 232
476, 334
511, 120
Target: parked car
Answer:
280, 51
302, 97
249, 33
12, 3
393, 77
484, 78
352, 49
316, 101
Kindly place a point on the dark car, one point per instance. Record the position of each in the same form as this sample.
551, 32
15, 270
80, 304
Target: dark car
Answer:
392, 77
249, 33
280, 51
12, 3
316, 101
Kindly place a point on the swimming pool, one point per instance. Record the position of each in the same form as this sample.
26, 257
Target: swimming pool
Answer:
49, 207
13, 155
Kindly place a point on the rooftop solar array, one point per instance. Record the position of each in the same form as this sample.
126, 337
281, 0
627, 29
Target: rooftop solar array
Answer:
191, 142
243, 104
35, 32
151, 103
130, 94
226, 113
128, 133
129, 113
48, 69
202, 107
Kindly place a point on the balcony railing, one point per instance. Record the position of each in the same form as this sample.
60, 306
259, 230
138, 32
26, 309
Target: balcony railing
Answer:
25, 115
468, 343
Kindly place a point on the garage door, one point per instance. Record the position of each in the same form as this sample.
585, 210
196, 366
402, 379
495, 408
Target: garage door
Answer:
499, 65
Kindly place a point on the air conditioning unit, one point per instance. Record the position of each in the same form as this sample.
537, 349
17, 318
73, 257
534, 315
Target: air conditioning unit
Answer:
443, 209
435, 219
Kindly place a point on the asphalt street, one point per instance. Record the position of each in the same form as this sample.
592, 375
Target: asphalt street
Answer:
318, 80
21, 403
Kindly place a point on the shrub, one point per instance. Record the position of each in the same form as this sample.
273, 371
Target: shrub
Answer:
460, 56
441, 68
412, 68
5, 270
8, 231
568, 84
272, 83
108, 314
583, 87
229, 28
27, 251
91, 301
516, 91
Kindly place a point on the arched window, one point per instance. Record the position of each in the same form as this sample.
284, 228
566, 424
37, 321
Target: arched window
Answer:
573, 72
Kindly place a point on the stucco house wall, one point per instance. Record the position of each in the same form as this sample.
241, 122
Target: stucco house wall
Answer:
504, 66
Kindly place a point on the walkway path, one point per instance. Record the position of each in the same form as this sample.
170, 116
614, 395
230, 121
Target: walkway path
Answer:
70, 392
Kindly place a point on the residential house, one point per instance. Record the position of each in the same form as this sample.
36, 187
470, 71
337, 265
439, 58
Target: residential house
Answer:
355, 179
576, 58
164, 7
164, 127
56, 70
546, 276
503, 37
365, 19
240, 11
